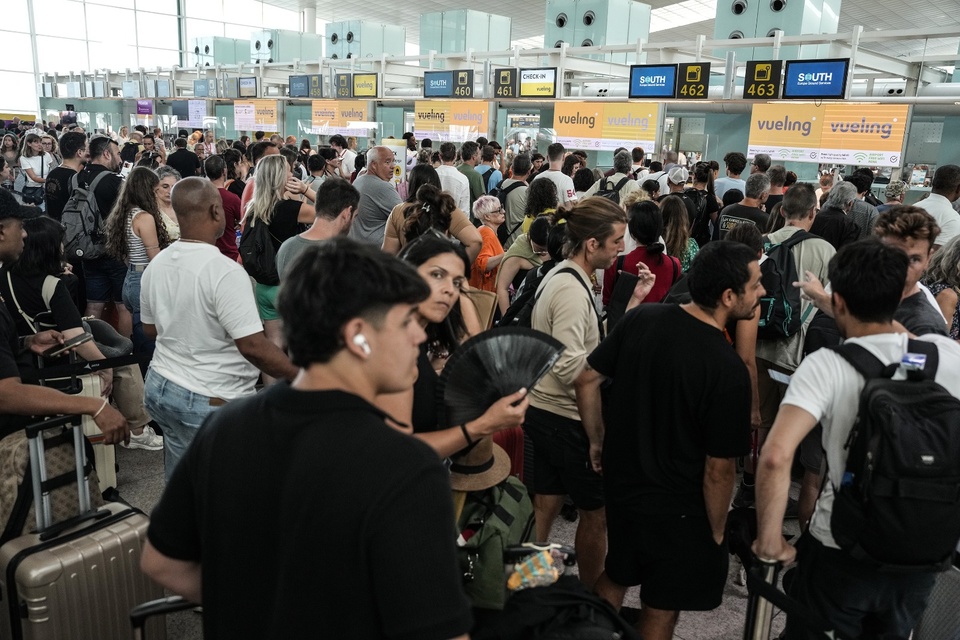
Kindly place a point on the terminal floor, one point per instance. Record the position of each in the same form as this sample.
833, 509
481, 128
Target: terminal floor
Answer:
141, 482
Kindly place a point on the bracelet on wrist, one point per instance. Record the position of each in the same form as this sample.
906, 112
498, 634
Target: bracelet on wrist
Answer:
102, 407
466, 434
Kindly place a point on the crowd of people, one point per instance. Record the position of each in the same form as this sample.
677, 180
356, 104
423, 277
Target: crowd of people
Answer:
297, 310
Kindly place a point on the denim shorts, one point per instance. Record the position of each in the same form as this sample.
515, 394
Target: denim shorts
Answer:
131, 288
179, 412
104, 279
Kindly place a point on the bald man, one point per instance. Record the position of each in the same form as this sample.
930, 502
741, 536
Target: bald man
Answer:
378, 197
198, 305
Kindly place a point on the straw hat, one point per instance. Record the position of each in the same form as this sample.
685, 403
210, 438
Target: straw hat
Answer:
483, 466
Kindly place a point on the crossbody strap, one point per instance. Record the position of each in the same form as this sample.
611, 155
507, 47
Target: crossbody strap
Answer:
589, 291
23, 314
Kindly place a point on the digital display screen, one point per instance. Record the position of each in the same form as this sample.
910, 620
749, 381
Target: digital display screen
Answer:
299, 86
653, 81
437, 84
820, 79
248, 87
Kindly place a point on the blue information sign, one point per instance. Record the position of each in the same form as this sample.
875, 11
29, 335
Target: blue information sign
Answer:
437, 84
821, 79
299, 86
653, 81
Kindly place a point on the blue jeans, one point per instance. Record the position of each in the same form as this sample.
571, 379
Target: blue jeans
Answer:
179, 412
131, 300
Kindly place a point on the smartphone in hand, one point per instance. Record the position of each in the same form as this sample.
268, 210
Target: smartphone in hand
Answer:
60, 349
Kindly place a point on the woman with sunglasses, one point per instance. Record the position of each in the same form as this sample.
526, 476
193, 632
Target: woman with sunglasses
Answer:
490, 213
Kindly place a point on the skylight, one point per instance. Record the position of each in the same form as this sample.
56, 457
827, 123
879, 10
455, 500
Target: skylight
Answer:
682, 14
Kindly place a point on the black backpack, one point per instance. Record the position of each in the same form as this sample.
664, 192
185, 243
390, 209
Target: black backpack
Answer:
898, 506
85, 235
258, 253
565, 610
519, 311
524, 315
780, 315
500, 193
613, 194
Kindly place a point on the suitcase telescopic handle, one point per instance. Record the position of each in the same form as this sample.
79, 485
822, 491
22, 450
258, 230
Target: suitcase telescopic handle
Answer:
38, 473
162, 606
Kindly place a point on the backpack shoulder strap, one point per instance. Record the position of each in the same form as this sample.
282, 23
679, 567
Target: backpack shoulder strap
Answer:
867, 364
928, 349
621, 183
74, 182
515, 185
49, 288
796, 239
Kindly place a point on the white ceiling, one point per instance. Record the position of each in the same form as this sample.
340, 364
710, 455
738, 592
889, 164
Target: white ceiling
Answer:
528, 19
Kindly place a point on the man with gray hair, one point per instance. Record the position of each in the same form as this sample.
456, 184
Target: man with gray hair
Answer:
749, 209
378, 197
862, 213
761, 163
832, 223
620, 181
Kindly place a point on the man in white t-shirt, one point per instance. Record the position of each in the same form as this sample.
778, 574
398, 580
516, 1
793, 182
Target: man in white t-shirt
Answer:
565, 189
347, 157
944, 191
452, 181
856, 599
198, 305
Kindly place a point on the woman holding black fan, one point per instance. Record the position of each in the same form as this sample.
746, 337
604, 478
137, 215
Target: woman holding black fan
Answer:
446, 268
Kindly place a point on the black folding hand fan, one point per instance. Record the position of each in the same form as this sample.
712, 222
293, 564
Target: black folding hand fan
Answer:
492, 365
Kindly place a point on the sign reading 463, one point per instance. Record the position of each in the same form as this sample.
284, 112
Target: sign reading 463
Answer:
762, 80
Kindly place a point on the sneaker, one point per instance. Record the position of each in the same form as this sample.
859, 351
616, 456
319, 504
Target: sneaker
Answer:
148, 440
745, 498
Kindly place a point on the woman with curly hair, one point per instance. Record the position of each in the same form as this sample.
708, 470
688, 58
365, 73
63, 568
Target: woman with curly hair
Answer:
409, 219
943, 280
135, 235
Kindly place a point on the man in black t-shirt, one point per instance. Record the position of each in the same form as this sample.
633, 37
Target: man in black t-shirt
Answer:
749, 209
331, 549
19, 401
677, 417
73, 147
183, 160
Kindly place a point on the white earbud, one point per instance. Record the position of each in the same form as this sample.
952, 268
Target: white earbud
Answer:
361, 341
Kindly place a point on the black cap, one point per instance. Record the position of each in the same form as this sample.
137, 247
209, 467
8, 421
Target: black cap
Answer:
10, 208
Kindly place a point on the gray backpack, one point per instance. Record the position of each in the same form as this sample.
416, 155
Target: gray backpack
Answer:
85, 234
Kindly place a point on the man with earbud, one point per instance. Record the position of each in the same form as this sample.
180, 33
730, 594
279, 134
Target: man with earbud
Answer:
339, 498
198, 305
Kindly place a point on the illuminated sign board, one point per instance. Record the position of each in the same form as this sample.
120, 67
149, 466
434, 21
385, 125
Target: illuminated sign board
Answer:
693, 81
762, 80
816, 79
653, 81
447, 84
538, 83
505, 83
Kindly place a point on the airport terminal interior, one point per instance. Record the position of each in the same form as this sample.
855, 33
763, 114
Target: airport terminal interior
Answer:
822, 89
